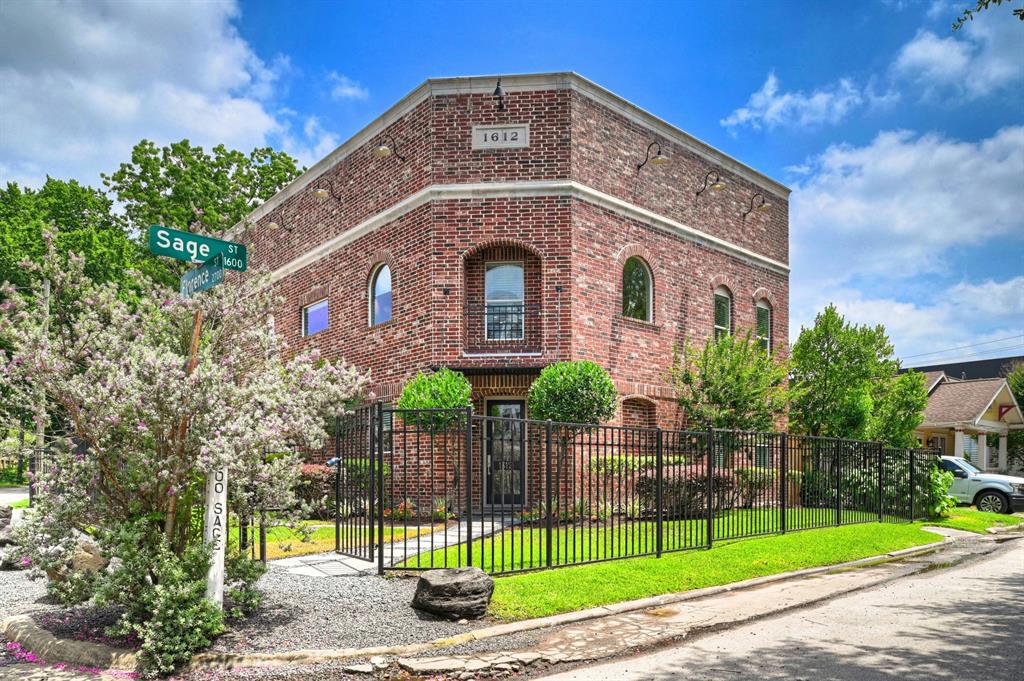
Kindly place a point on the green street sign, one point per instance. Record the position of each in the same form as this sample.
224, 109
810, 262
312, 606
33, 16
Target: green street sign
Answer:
194, 248
207, 275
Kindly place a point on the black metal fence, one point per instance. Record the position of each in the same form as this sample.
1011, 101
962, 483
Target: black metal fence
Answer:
421, 489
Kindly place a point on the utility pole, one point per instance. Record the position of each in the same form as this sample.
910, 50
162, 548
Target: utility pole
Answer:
40, 394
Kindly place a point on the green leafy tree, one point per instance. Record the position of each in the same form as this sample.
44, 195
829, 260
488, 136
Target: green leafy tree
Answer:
573, 392
443, 389
846, 383
184, 187
730, 383
968, 14
1015, 440
899, 411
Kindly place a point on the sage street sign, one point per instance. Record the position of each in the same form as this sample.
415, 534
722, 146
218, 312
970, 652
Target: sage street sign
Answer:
207, 275
194, 248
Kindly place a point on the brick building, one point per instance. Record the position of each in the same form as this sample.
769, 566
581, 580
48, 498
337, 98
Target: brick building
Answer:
498, 235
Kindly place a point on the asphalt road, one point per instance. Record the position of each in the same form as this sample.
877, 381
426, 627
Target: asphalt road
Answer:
962, 622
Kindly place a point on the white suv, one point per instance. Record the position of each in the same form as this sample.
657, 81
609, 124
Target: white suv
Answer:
988, 491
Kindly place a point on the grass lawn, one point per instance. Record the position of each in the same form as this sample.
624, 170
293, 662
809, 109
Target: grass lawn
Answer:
523, 547
21, 503
549, 592
972, 520
285, 542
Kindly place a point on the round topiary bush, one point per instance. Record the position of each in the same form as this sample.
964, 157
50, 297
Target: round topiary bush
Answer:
573, 392
442, 389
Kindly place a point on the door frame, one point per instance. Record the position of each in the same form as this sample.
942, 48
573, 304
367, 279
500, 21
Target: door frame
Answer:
485, 446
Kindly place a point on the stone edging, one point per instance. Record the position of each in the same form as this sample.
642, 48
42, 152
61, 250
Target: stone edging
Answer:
23, 630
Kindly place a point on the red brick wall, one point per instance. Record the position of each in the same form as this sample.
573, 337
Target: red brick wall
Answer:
607, 148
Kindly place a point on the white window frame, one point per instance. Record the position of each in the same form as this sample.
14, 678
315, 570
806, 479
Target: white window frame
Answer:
720, 291
497, 263
305, 317
763, 304
373, 297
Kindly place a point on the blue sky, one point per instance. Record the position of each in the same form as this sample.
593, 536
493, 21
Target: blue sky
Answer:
903, 142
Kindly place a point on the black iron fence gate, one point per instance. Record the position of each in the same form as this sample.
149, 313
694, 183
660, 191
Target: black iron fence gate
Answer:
421, 489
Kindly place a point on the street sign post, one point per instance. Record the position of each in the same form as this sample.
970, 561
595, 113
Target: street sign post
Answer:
206, 276
190, 247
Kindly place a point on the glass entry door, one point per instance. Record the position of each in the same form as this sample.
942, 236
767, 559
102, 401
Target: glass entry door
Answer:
505, 460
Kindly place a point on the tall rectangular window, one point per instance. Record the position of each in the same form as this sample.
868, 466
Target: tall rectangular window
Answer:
314, 318
723, 313
764, 326
503, 301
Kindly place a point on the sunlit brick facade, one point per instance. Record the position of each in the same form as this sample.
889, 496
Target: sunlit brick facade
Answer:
568, 209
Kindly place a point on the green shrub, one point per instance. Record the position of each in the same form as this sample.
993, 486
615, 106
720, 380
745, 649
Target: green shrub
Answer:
573, 392
684, 495
617, 463
241, 575
937, 501
752, 482
442, 389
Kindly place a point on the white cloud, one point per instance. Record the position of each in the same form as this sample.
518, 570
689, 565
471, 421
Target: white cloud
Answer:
344, 87
899, 203
769, 108
83, 82
872, 228
985, 56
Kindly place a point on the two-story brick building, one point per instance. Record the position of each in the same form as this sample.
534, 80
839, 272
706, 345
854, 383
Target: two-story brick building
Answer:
498, 234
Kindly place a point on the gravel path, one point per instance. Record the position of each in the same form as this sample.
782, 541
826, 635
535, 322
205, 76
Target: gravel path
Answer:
335, 612
18, 592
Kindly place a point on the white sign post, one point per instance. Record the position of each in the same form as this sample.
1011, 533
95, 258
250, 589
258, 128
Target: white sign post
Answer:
215, 528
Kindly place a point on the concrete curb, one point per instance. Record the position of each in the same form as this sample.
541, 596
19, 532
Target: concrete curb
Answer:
22, 629
1019, 527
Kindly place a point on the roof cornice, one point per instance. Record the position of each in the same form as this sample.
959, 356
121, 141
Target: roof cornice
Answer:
511, 83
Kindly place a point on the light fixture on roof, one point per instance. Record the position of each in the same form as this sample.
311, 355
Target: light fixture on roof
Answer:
277, 222
762, 206
657, 160
499, 94
712, 181
324, 190
384, 150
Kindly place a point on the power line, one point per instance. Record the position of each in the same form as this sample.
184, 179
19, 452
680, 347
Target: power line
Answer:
984, 354
963, 347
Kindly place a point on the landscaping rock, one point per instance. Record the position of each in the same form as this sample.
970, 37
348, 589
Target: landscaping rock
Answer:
6, 512
87, 556
10, 559
456, 593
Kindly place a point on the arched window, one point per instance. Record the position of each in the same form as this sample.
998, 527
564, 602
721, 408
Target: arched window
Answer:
764, 325
380, 296
723, 312
636, 290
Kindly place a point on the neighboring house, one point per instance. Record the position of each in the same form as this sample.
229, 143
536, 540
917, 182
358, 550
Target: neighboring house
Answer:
975, 368
496, 235
970, 418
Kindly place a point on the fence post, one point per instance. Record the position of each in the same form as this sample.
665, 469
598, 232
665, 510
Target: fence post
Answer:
911, 485
337, 487
881, 485
469, 484
377, 456
839, 483
547, 496
784, 481
659, 491
711, 486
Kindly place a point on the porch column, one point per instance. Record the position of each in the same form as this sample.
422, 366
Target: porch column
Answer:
1003, 463
958, 443
982, 452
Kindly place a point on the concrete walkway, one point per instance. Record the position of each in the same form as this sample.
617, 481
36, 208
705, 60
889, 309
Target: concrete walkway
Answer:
9, 495
334, 565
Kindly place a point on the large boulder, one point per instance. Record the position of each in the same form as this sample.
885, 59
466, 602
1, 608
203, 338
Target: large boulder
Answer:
6, 527
86, 557
454, 592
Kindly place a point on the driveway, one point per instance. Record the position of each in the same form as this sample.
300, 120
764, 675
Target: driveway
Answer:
958, 623
8, 495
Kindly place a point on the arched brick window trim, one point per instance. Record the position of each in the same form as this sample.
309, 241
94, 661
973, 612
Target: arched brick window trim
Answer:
503, 243
377, 260
723, 280
638, 411
641, 252
764, 294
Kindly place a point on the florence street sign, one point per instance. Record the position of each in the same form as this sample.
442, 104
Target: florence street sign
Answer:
206, 276
194, 248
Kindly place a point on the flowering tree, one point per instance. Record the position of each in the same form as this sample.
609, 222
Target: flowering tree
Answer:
145, 419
